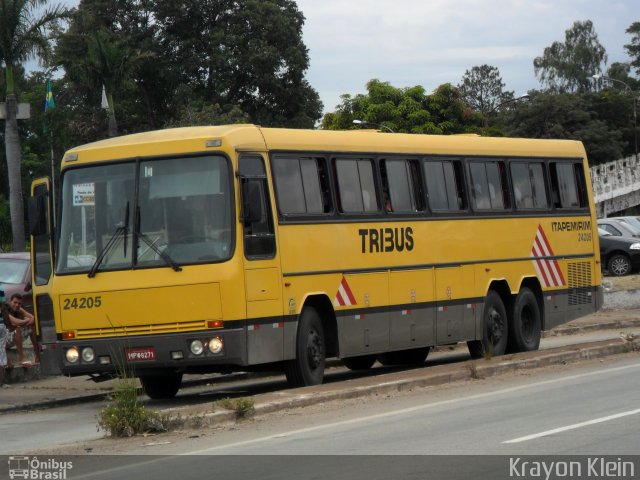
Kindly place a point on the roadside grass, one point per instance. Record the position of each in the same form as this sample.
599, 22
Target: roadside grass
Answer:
244, 407
628, 282
126, 416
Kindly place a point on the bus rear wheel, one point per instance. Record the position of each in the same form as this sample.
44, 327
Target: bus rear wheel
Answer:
495, 329
526, 322
308, 366
363, 362
161, 386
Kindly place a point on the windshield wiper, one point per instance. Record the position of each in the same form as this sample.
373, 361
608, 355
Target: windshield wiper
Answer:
152, 245
162, 253
123, 229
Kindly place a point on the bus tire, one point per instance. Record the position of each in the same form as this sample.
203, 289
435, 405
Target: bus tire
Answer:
308, 366
526, 322
495, 329
413, 357
161, 387
362, 362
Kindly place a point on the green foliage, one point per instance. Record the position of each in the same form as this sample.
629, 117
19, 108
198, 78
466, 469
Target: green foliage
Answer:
408, 110
569, 116
126, 416
633, 48
482, 89
244, 407
569, 66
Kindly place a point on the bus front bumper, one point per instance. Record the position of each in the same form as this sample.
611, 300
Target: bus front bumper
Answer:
203, 351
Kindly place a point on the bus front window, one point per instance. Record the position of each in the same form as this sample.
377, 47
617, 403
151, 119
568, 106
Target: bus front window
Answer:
182, 215
95, 202
184, 211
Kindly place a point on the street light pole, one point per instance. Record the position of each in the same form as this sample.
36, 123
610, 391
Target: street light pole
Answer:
634, 98
379, 125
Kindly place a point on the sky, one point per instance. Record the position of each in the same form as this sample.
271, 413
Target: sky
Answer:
431, 42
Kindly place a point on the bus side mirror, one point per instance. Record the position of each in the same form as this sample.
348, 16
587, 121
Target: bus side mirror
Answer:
37, 213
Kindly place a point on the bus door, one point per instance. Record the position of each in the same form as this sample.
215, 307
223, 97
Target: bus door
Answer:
263, 284
41, 231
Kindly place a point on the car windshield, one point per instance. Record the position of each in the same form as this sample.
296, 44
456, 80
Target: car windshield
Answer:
13, 270
151, 213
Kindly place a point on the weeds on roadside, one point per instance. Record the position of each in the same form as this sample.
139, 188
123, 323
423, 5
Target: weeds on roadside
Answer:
126, 416
473, 371
244, 407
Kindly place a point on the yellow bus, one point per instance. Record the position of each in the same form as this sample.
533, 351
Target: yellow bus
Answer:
218, 249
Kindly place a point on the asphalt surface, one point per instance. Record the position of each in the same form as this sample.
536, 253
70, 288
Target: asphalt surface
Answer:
56, 391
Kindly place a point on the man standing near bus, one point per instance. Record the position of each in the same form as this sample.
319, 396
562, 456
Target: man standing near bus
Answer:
20, 324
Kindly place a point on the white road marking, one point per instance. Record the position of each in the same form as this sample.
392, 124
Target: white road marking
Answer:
574, 426
408, 410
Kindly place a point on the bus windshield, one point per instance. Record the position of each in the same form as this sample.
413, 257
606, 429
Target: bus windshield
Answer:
147, 213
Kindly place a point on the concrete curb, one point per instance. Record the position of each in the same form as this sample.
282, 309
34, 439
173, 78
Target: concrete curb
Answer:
433, 376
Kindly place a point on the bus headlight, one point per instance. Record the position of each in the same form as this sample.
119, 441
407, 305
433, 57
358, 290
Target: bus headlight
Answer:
72, 355
196, 347
215, 345
88, 355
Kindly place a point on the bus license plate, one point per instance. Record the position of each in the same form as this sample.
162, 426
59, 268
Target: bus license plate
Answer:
140, 354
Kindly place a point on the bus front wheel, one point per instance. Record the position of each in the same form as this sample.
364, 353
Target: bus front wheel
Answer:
495, 329
161, 387
526, 322
308, 366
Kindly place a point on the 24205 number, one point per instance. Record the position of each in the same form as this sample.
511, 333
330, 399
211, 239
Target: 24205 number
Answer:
77, 303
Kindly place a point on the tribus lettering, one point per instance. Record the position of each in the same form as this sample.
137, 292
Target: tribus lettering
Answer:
386, 239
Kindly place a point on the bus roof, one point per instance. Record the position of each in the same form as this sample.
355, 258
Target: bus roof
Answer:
254, 138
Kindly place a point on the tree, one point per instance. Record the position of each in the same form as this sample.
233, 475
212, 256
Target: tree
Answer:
408, 110
24, 36
569, 116
570, 66
633, 48
482, 89
247, 53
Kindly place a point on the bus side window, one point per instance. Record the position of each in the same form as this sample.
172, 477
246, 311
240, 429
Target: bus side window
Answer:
568, 185
356, 185
259, 234
401, 180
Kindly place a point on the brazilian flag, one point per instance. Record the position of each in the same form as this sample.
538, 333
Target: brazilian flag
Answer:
49, 103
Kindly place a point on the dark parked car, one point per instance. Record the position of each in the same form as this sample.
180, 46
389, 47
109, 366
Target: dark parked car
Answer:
15, 277
618, 228
619, 255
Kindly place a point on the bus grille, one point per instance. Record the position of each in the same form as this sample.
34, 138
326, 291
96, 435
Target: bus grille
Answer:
579, 283
141, 329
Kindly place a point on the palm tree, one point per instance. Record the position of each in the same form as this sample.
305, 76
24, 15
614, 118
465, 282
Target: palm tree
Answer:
22, 36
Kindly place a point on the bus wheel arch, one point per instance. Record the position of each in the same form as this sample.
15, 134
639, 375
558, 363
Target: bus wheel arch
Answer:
495, 322
314, 342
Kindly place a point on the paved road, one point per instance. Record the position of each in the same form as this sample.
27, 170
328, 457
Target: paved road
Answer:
588, 409
29, 431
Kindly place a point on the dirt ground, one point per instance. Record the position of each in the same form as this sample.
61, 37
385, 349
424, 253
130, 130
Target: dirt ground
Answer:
628, 282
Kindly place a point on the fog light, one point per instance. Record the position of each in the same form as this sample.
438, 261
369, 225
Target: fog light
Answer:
106, 360
215, 345
88, 355
177, 355
72, 355
196, 347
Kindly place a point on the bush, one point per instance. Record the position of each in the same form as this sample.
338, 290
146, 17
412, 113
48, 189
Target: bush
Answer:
126, 416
